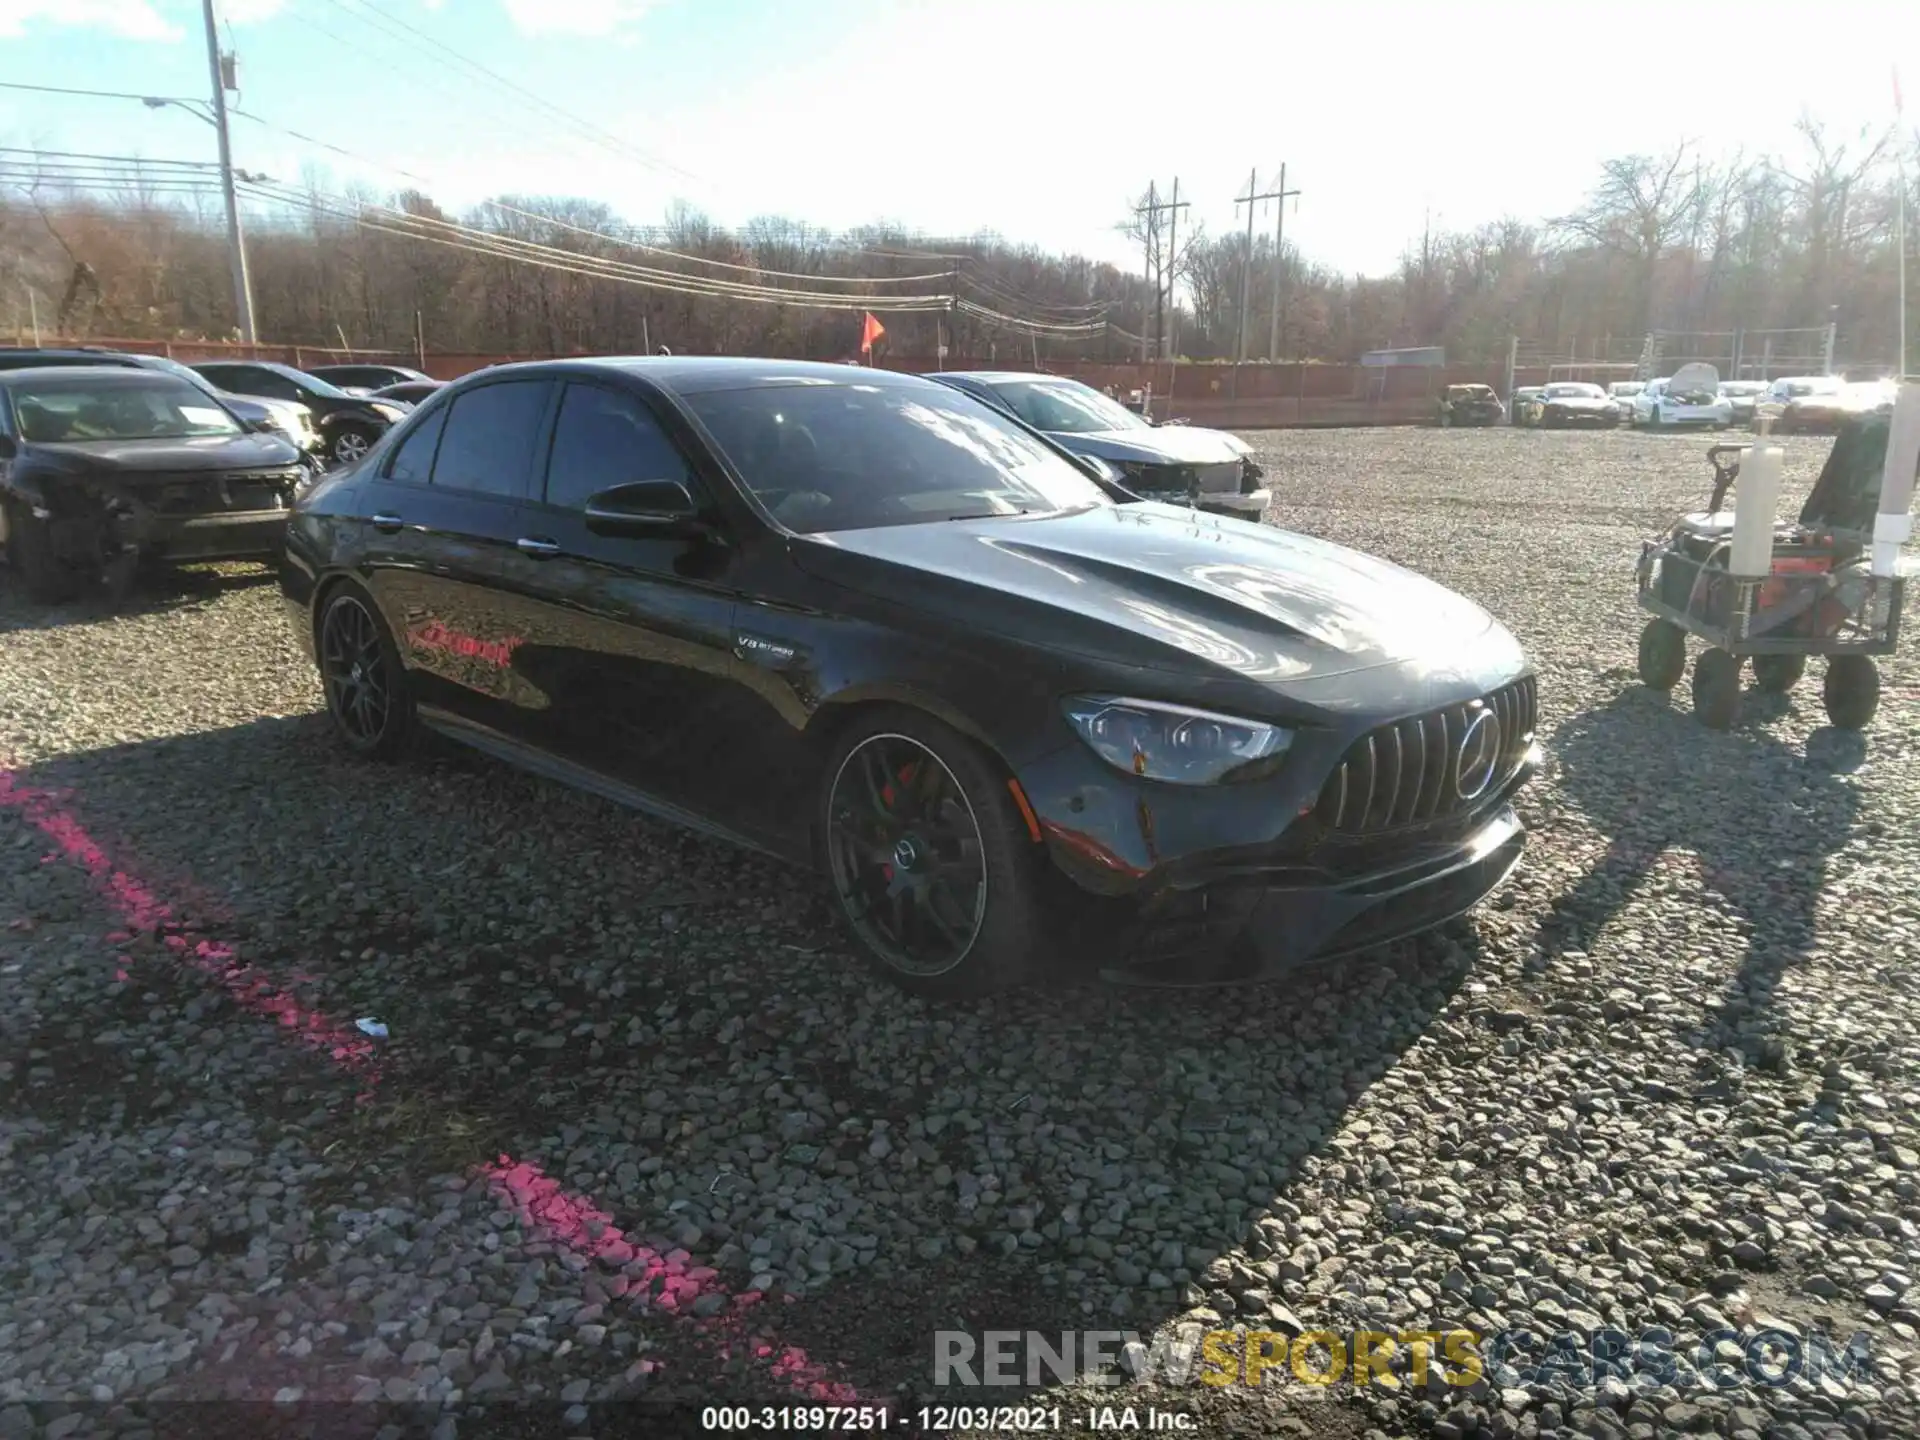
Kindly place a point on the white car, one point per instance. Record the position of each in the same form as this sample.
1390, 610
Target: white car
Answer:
1690, 396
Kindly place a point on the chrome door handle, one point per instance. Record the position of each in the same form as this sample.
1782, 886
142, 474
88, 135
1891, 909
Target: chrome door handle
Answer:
533, 545
387, 522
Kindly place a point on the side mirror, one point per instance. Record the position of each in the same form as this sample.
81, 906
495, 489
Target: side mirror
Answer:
663, 508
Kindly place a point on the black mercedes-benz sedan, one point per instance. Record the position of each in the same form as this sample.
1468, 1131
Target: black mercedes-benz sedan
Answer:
104, 467
875, 626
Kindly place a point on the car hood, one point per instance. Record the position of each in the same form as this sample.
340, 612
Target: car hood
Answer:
130, 459
1159, 587
1162, 445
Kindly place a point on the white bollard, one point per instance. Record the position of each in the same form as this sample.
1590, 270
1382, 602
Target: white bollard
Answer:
1894, 523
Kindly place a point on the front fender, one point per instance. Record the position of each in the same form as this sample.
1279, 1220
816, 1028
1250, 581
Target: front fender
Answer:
25, 487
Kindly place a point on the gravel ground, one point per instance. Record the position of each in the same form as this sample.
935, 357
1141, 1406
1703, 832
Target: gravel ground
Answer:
641, 1133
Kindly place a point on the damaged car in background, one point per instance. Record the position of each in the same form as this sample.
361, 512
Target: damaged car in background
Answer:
1176, 463
889, 633
1471, 405
1575, 404
104, 468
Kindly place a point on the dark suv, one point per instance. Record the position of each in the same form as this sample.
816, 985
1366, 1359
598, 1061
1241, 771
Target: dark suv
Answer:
349, 424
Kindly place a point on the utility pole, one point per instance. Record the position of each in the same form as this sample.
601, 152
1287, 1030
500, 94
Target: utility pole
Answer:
1279, 235
1173, 248
1163, 285
242, 285
1152, 234
1246, 270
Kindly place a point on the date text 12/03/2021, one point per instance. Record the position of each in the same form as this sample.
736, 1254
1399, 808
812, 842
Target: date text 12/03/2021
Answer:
945, 1419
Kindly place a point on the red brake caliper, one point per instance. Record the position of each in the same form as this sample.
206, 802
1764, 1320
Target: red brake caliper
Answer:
904, 776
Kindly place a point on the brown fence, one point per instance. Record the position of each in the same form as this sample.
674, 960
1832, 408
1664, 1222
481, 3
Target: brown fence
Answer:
1254, 396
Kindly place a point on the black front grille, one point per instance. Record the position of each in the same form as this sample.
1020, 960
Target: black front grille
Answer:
1407, 773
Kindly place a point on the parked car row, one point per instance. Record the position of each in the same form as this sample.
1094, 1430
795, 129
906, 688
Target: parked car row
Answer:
1694, 396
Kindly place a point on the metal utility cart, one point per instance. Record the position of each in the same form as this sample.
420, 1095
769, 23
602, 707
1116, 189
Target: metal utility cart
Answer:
1822, 596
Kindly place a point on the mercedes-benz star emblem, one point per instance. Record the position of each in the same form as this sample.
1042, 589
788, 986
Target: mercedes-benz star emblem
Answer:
1479, 756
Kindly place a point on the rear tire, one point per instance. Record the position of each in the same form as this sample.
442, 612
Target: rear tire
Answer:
1716, 689
1851, 691
1777, 674
368, 698
32, 558
932, 869
1663, 654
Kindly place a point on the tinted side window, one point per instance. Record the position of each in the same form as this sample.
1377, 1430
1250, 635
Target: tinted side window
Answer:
603, 438
412, 461
265, 382
487, 441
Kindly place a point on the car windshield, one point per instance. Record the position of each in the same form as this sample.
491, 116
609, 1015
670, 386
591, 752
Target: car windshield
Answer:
1742, 387
73, 408
1574, 391
1627, 388
326, 389
829, 456
1066, 407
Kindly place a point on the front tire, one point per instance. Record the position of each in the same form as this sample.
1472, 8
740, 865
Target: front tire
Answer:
350, 442
1851, 691
933, 871
32, 558
1716, 689
1663, 654
368, 698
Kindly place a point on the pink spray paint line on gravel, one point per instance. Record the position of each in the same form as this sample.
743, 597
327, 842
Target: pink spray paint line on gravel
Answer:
670, 1283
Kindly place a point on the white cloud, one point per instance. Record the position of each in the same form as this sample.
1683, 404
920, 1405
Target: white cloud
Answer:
574, 17
131, 19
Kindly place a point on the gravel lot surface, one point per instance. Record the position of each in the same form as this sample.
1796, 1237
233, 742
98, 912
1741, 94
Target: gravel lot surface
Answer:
642, 1133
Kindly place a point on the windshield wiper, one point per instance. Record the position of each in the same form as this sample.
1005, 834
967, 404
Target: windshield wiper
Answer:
988, 514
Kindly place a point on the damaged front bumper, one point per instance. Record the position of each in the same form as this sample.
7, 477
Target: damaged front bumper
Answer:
1262, 928
194, 518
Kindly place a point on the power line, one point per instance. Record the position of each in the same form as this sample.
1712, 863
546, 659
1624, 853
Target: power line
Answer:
98, 94
458, 237
128, 161
416, 37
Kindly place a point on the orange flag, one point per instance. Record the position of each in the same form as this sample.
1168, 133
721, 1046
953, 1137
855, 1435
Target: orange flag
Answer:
870, 332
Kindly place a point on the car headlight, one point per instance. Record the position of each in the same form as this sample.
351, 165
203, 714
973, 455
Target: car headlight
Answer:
1157, 741
387, 412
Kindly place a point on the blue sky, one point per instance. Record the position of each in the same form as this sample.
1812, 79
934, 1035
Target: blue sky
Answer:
1036, 118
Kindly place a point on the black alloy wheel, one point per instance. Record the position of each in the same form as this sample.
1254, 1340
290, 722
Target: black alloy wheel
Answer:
361, 674
933, 870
